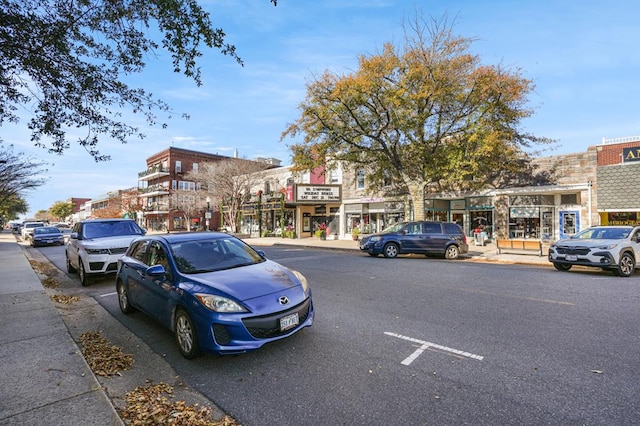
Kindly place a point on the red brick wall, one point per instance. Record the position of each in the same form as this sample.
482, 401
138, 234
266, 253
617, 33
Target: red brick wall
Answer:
612, 154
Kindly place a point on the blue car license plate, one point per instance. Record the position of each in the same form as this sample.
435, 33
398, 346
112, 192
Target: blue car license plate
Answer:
290, 321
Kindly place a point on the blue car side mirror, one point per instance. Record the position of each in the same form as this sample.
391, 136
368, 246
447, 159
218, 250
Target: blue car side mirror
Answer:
156, 270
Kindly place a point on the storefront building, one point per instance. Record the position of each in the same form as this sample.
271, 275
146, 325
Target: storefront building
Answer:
545, 212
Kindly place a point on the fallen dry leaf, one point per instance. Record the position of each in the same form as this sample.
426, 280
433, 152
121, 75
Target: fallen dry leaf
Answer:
151, 405
50, 282
64, 299
103, 358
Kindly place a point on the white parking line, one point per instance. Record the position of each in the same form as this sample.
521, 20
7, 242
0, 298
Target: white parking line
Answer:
108, 294
426, 345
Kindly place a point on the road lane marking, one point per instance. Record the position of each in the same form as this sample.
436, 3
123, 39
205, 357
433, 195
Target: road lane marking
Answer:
108, 294
512, 296
426, 345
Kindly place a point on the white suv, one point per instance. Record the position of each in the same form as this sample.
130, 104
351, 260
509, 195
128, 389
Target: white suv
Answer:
27, 229
95, 246
612, 248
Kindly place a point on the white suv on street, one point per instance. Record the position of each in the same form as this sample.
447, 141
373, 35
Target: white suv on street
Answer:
27, 229
612, 248
95, 246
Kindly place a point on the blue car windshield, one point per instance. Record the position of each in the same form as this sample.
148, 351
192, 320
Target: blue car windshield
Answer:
110, 229
215, 254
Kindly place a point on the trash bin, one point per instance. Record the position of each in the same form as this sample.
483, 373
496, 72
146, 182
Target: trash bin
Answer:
479, 238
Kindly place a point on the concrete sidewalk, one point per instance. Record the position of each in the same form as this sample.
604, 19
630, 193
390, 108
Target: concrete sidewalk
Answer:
45, 379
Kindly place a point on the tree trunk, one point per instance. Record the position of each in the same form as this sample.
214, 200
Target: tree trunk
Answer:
416, 191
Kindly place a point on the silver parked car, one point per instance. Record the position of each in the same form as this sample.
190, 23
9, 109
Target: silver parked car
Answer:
612, 248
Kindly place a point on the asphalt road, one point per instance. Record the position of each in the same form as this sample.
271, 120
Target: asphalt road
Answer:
428, 341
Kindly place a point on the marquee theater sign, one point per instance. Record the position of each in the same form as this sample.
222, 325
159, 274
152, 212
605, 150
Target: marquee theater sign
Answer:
318, 194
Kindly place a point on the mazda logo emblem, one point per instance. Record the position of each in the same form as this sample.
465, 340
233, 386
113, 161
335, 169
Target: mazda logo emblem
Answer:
283, 300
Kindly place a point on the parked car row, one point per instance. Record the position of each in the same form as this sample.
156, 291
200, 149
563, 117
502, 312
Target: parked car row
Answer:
25, 228
219, 295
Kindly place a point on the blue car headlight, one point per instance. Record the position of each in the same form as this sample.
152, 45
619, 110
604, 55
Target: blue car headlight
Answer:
375, 238
219, 303
301, 278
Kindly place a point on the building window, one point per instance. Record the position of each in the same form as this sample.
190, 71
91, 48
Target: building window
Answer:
178, 166
360, 179
195, 167
186, 185
174, 184
569, 199
334, 176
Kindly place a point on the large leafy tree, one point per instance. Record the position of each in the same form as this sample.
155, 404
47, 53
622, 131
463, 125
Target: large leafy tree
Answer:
61, 210
65, 61
428, 116
19, 174
13, 206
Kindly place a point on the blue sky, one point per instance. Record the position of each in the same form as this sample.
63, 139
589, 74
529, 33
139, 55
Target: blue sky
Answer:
581, 55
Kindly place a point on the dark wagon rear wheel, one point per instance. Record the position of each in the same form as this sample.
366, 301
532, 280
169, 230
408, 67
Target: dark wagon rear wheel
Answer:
390, 250
452, 252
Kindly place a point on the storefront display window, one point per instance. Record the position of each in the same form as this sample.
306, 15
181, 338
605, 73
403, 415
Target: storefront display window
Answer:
481, 221
437, 215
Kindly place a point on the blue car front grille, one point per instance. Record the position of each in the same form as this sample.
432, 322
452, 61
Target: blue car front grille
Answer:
268, 326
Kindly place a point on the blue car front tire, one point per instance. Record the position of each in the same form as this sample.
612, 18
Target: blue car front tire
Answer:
186, 336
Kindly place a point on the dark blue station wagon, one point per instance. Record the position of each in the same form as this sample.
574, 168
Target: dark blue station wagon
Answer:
422, 237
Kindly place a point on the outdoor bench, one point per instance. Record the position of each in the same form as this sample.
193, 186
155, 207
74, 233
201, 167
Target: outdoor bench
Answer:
524, 246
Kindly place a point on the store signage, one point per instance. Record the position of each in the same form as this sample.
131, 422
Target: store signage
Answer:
630, 154
524, 212
458, 205
315, 193
623, 218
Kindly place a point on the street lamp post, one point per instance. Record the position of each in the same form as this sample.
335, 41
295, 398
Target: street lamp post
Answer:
208, 213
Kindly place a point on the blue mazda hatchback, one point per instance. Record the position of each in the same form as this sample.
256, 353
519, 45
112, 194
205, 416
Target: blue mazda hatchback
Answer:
215, 292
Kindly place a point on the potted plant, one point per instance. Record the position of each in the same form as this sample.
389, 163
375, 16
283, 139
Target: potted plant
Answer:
355, 233
289, 232
321, 232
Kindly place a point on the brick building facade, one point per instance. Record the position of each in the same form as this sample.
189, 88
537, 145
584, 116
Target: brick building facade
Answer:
158, 184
